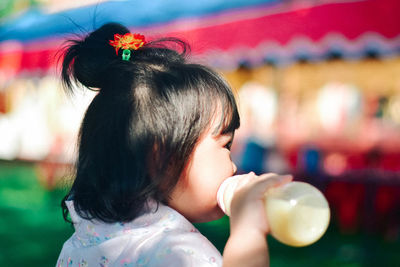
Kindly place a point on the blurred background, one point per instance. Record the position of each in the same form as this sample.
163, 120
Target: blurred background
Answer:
318, 87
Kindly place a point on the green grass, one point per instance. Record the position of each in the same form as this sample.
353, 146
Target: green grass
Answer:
333, 249
31, 226
32, 231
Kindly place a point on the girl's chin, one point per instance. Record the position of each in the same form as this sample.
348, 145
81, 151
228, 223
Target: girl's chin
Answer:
216, 214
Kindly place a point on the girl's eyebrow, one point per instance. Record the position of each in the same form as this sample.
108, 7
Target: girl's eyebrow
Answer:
229, 135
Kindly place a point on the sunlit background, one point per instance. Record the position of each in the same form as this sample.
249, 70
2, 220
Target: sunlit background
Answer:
318, 87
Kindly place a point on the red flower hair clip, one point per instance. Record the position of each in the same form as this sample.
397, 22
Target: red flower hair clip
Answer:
128, 42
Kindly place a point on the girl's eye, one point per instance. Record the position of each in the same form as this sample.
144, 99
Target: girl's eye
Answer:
228, 145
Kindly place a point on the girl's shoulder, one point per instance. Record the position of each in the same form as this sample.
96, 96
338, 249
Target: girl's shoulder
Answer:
159, 237
174, 241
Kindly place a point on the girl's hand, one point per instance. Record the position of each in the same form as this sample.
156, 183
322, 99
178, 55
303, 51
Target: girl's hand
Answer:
247, 206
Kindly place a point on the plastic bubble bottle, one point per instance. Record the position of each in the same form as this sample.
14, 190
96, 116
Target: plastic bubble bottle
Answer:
298, 213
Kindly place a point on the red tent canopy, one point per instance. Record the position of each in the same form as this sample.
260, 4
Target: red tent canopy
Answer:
279, 33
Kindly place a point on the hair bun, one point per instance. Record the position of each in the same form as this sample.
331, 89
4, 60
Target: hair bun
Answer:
86, 60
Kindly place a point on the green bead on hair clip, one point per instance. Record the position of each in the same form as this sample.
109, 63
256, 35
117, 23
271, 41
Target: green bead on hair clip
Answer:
126, 54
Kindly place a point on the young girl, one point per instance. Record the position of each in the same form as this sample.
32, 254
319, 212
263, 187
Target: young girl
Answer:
153, 150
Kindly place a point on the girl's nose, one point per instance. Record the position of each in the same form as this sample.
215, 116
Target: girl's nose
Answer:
234, 168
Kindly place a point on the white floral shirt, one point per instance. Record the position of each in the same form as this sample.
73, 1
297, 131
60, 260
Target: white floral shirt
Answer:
162, 237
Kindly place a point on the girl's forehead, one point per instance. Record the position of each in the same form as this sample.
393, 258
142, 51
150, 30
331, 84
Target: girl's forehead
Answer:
222, 118
213, 126
216, 121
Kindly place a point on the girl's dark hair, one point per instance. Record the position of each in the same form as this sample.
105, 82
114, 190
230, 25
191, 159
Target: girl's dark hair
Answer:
141, 128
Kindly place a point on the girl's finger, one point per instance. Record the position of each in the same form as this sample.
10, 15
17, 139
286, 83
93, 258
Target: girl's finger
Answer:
267, 181
246, 179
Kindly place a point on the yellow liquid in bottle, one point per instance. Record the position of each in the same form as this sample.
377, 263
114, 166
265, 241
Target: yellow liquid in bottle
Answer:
296, 224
